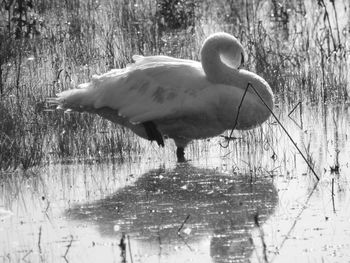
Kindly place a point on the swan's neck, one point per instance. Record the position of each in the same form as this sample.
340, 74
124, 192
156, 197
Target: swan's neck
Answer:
217, 53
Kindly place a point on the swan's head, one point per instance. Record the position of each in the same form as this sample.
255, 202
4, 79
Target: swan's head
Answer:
218, 50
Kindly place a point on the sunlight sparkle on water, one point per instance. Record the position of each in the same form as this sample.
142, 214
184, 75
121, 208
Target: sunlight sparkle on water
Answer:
204, 210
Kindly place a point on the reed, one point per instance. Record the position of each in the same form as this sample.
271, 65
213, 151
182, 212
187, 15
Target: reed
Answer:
50, 46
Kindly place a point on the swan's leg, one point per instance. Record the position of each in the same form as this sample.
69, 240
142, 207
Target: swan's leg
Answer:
180, 153
180, 143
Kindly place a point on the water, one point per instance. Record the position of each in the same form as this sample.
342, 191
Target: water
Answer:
253, 200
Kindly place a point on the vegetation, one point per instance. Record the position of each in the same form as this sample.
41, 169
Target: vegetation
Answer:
300, 47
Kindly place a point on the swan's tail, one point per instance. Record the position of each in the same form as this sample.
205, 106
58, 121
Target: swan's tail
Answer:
92, 95
80, 99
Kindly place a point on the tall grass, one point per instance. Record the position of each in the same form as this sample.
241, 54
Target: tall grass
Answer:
300, 47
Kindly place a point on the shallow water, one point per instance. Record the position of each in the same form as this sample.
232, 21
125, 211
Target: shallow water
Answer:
254, 201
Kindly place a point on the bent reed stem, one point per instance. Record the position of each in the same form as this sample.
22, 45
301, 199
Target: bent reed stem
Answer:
285, 130
228, 138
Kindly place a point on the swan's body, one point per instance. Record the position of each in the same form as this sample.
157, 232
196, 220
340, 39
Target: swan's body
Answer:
160, 96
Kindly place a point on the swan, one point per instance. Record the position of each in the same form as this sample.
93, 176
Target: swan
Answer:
160, 97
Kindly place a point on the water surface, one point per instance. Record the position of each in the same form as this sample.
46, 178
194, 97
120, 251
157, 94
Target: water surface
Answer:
252, 201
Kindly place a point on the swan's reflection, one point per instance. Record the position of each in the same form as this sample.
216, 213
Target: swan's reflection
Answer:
221, 209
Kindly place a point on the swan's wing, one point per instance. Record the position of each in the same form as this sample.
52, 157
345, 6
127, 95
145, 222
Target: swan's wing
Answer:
141, 60
154, 91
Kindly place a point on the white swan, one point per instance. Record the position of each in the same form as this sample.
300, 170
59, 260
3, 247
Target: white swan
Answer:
162, 97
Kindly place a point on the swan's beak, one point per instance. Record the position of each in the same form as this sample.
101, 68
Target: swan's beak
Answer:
242, 60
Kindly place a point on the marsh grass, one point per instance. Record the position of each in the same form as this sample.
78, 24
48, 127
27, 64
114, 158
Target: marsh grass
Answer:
300, 48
